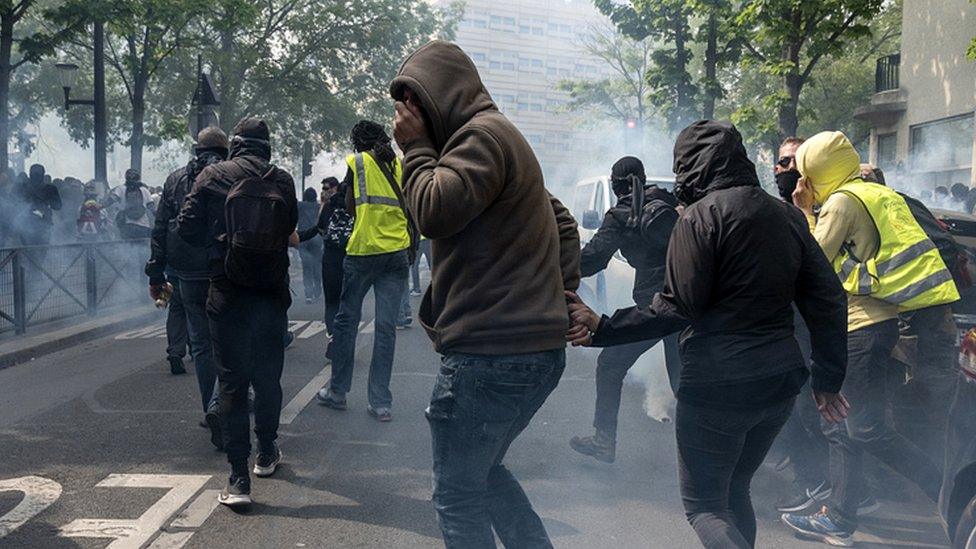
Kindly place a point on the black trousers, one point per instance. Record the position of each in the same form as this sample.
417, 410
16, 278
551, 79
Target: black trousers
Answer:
866, 428
718, 453
176, 334
249, 352
332, 259
611, 368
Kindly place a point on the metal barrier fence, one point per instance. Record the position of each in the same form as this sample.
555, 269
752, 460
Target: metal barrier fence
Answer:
45, 283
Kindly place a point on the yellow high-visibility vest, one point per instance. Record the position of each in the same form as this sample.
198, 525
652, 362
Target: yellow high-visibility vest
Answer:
907, 270
381, 225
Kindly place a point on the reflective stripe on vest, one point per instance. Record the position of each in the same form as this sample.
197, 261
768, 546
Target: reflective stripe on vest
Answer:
380, 226
907, 271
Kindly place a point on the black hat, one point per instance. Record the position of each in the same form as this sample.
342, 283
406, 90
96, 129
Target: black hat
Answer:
252, 128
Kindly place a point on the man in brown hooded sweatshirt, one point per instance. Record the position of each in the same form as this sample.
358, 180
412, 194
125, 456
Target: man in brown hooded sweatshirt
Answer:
504, 252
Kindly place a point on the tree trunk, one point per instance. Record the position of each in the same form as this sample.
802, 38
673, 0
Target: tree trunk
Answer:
137, 139
711, 64
793, 84
6, 46
683, 95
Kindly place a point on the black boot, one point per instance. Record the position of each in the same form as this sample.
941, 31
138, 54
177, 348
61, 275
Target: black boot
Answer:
176, 366
601, 446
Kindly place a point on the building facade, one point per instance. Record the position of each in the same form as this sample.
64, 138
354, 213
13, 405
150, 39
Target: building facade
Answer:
523, 49
922, 114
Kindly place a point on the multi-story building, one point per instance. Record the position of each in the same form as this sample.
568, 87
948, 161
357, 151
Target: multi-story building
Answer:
922, 114
523, 49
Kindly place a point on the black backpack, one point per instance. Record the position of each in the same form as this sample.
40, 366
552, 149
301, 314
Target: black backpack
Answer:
258, 228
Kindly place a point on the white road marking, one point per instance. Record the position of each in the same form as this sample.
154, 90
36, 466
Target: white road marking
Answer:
369, 328
39, 494
171, 540
301, 400
197, 512
314, 327
133, 534
295, 325
136, 334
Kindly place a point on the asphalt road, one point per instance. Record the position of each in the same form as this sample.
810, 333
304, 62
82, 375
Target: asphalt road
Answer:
105, 442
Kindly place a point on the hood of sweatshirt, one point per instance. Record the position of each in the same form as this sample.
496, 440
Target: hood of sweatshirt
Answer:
828, 160
709, 156
448, 85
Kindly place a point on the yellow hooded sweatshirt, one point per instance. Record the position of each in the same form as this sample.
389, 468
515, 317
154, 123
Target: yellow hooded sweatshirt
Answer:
827, 161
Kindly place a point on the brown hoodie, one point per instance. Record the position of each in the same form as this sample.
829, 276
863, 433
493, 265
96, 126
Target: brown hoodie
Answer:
504, 249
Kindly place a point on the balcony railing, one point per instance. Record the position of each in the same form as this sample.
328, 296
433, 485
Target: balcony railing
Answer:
886, 73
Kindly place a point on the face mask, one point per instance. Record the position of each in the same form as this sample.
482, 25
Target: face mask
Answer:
786, 183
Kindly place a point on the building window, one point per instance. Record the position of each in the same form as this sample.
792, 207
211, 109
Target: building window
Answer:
887, 145
942, 145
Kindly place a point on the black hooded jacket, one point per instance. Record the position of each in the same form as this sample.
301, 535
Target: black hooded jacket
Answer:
644, 247
737, 261
202, 222
168, 249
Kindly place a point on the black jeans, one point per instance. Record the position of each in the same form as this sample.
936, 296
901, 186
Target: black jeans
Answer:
423, 249
611, 368
866, 427
249, 352
194, 294
176, 336
718, 453
332, 259
479, 405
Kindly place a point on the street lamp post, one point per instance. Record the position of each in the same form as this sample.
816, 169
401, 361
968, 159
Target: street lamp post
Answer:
68, 75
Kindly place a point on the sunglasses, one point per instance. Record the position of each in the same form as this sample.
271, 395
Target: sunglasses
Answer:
785, 161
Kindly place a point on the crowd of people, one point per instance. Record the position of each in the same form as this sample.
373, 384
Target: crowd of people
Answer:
38, 210
784, 342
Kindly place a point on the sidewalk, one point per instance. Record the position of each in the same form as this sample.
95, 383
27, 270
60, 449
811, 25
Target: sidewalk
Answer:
57, 336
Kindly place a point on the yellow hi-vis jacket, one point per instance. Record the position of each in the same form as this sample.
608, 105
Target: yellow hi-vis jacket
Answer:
907, 270
381, 225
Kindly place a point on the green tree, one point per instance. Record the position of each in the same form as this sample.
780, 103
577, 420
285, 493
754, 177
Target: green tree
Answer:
626, 94
789, 38
23, 41
971, 53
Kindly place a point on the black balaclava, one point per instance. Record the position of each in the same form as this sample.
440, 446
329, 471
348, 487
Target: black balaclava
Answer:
252, 137
132, 178
786, 183
36, 176
620, 172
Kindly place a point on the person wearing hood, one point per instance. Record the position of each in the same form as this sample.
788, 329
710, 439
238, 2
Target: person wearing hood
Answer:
887, 265
504, 252
39, 199
643, 241
335, 226
801, 442
730, 287
186, 267
310, 251
377, 258
247, 322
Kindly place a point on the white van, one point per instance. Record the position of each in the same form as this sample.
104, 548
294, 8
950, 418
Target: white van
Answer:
612, 288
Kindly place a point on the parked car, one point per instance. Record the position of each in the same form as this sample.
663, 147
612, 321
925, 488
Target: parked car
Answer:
957, 504
612, 288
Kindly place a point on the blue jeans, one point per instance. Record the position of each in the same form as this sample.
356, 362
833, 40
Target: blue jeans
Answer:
386, 274
479, 405
194, 297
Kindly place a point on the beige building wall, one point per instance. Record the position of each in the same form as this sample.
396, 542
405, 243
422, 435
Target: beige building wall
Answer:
937, 83
523, 49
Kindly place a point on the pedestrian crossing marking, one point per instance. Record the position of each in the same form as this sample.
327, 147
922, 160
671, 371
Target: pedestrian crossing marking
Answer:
39, 494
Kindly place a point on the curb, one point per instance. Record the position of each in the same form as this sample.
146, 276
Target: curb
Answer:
59, 340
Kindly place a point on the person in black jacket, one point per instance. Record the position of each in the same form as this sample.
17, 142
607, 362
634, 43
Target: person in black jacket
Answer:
187, 269
247, 324
737, 260
334, 225
310, 251
38, 200
643, 241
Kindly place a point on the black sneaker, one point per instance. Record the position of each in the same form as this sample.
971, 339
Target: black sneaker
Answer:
267, 463
237, 493
801, 497
213, 423
598, 446
176, 366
